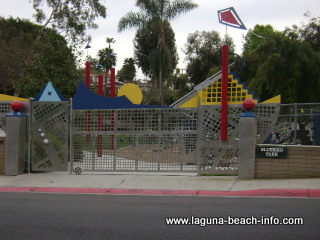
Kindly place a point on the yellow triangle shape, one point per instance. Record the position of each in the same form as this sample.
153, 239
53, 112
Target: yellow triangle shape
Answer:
276, 99
4, 97
237, 92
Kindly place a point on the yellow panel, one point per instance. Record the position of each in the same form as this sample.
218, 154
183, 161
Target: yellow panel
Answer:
276, 99
132, 92
212, 94
4, 97
193, 102
249, 96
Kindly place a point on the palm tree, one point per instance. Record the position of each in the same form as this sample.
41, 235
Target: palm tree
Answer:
107, 57
159, 13
109, 41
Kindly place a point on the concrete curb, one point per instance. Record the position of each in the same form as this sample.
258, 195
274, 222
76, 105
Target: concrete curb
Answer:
289, 193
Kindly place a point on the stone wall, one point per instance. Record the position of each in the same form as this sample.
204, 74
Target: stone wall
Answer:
302, 162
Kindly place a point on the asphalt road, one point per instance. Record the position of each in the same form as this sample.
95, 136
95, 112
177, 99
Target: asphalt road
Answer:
90, 217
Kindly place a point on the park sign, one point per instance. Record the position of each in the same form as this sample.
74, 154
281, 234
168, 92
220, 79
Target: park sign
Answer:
268, 151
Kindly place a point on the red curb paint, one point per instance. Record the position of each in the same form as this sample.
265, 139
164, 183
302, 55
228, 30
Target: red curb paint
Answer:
153, 192
16, 189
213, 193
296, 193
314, 193
261, 193
70, 190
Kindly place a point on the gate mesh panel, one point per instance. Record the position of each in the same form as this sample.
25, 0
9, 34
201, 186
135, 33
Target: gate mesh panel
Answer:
162, 139
50, 128
135, 140
218, 157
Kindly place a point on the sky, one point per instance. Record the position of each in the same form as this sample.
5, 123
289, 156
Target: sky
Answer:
280, 14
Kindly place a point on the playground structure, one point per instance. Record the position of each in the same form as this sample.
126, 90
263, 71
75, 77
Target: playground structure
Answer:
133, 138
198, 133
207, 131
146, 138
96, 133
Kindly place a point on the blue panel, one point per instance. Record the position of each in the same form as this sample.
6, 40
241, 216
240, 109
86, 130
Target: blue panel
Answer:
49, 94
86, 99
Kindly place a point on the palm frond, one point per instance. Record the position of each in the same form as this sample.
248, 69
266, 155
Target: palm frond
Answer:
150, 7
179, 7
132, 20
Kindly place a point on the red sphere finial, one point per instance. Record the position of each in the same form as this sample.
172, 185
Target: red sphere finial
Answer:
248, 104
16, 106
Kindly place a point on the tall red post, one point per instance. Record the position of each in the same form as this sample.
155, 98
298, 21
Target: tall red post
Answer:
88, 84
112, 82
100, 117
224, 93
100, 85
112, 94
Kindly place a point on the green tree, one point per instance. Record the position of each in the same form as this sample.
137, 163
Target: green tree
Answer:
52, 59
309, 32
110, 41
107, 57
169, 96
180, 84
128, 71
15, 38
158, 13
203, 54
145, 39
283, 65
256, 36
259, 43
73, 17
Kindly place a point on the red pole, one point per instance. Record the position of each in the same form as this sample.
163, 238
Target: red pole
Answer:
88, 73
100, 85
112, 94
88, 84
224, 93
112, 82
100, 117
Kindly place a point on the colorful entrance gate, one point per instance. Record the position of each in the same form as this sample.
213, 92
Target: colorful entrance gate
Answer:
139, 140
160, 139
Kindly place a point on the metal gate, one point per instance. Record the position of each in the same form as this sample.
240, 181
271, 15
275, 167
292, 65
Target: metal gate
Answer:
161, 140
150, 139
218, 157
49, 136
158, 139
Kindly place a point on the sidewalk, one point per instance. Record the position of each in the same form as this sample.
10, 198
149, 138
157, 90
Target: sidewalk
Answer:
159, 184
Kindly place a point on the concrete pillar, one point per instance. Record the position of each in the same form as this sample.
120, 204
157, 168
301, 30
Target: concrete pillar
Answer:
247, 144
16, 144
2, 153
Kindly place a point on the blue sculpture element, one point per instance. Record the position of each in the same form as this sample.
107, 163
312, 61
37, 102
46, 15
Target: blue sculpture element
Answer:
85, 99
50, 94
